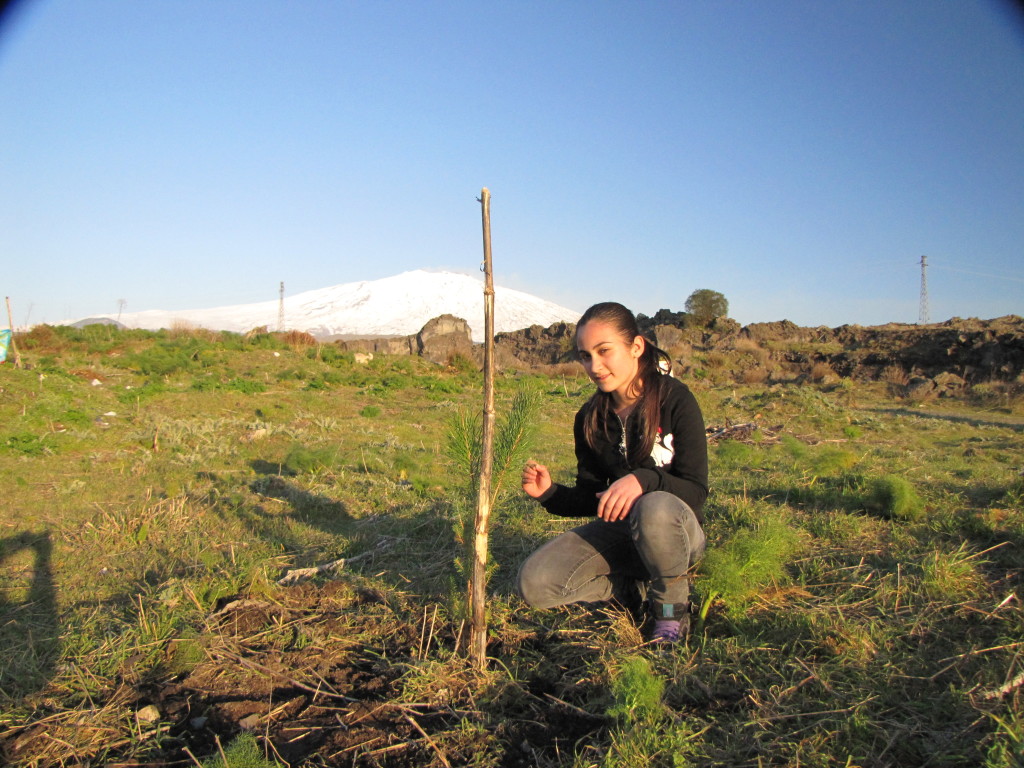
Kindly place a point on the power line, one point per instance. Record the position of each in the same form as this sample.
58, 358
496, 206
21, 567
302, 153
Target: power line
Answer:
979, 274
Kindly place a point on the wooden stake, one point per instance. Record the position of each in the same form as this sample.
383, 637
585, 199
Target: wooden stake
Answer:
478, 582
15, 357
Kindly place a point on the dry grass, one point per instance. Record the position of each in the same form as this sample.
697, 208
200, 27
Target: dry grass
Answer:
894, 375
822, 372
181, 329
752, 348
757, 375
298, 339
716, 359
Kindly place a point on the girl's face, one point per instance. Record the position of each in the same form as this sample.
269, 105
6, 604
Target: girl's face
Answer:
609, 361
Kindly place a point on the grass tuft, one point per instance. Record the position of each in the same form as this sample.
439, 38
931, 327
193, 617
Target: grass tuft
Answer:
243, 752
894, 497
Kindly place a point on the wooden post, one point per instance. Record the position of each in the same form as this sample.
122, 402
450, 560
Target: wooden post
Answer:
478, 583
15, 357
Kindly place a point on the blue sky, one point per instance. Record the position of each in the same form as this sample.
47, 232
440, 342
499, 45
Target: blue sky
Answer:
798, 157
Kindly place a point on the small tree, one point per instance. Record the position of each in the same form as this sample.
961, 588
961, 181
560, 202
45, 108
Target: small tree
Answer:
705, 305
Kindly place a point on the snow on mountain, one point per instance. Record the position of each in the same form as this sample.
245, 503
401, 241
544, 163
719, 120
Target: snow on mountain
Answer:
393, 306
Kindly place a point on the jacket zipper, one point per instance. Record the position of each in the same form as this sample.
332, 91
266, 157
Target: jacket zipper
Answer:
623, 448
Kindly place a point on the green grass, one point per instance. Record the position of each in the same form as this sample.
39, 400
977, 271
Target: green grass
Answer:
862, 585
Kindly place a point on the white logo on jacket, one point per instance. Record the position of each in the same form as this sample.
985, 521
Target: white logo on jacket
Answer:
662, 452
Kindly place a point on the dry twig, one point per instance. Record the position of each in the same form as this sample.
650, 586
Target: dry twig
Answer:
996, 693
299, 575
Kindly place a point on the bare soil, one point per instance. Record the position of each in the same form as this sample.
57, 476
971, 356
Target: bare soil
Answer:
319, 676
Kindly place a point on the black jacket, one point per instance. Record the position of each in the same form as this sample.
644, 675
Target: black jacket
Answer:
678, 464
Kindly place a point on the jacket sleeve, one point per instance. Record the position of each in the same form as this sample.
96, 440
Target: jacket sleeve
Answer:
580, 501
686, 476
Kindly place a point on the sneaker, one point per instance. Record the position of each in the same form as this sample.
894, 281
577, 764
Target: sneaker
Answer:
668, 631
668, 628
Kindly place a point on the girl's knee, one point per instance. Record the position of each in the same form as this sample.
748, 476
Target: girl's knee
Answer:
659, 513
535, 590
658, 509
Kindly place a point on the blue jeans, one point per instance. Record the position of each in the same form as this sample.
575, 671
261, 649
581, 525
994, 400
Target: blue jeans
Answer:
656, 544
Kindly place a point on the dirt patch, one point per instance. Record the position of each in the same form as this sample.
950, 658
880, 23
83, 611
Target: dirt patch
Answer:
325, 675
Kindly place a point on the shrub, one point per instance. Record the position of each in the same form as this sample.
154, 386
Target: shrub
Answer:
830, 461
41, 338
161, 360
716, 359
370, 412
571, 370
751, 347
184, 329
645, 733
747, 344
461, 364
246, 386
894, 497
394, 381
738, 569
821, 371
756, 375
261, 339
331, 354
301, 459
26, 443
206, 384
324, 380
637, 692
291, 373
297, 339
895, 376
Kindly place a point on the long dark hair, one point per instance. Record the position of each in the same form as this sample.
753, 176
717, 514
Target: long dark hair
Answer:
647, 386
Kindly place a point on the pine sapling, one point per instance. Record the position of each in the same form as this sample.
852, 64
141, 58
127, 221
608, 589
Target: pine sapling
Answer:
740, 568
513, 442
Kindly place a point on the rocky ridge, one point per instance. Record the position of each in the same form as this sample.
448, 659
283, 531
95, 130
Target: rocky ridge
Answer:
943, 356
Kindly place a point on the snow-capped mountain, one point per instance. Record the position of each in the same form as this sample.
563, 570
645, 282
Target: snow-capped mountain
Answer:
392, 306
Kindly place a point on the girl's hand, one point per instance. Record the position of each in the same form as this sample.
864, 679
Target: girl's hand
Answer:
615, 503
536, 479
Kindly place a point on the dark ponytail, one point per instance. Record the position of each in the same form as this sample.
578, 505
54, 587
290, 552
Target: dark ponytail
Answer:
647, 387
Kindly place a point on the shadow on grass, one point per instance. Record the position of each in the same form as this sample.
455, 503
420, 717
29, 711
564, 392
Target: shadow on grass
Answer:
1008, 423
29, 628
311, 507
827, 494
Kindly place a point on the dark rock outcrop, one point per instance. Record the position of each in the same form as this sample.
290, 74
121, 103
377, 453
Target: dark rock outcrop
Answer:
445, 338
948, 356
537, 345
439, 341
